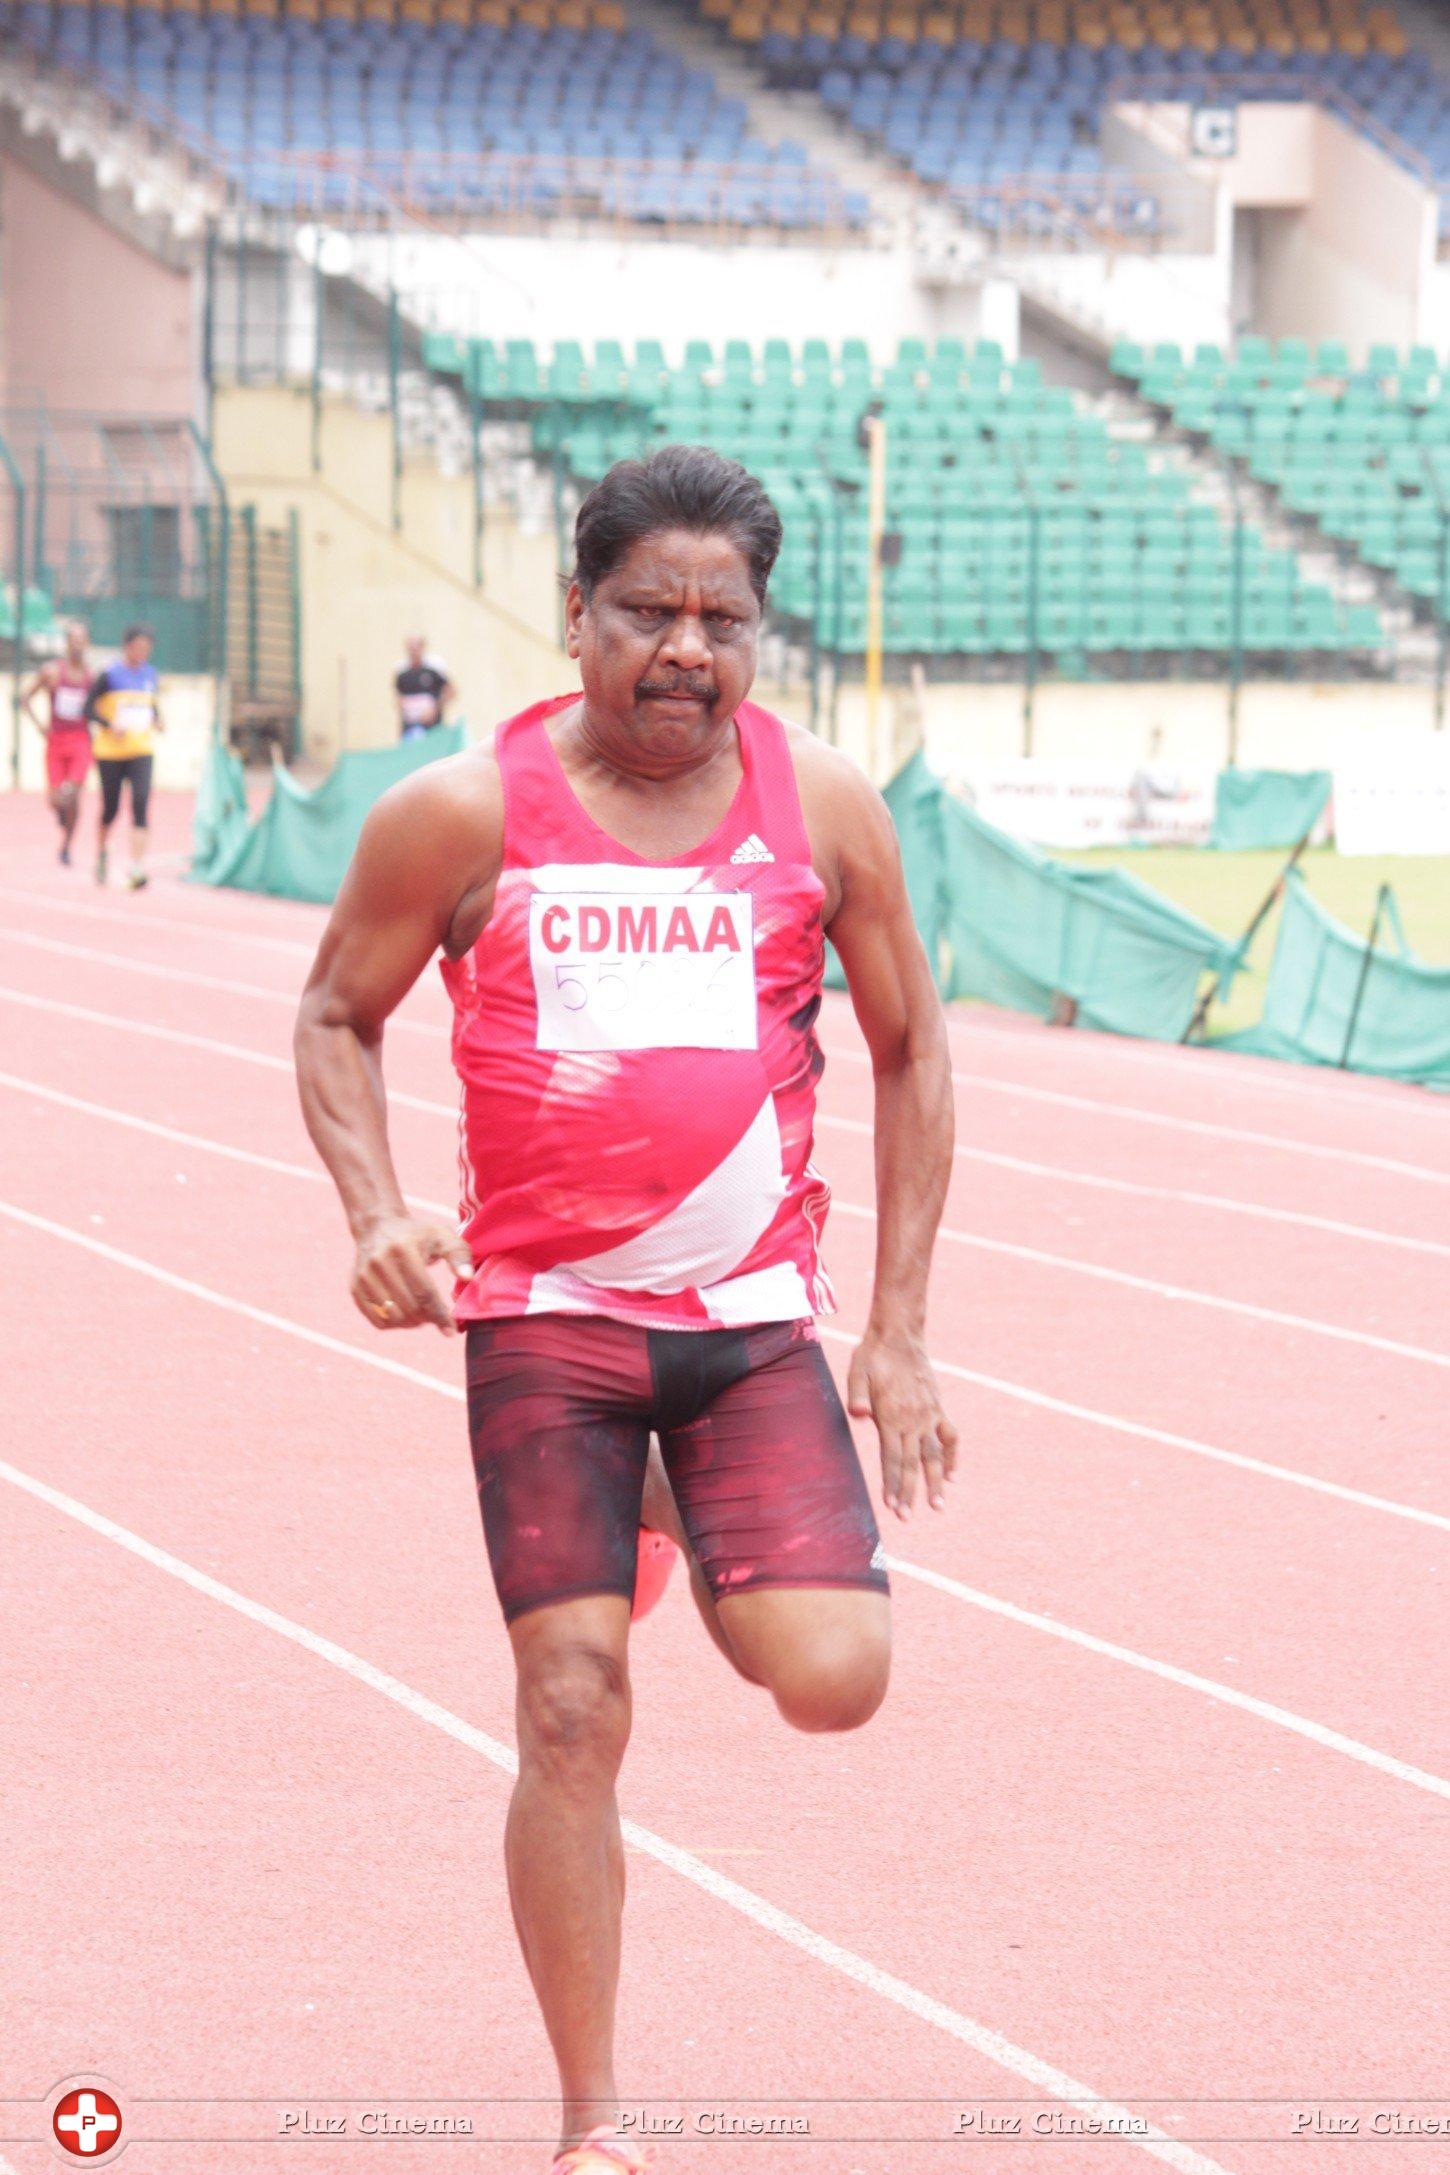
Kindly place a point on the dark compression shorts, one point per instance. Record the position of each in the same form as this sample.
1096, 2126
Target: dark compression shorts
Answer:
755, 1441
117, 771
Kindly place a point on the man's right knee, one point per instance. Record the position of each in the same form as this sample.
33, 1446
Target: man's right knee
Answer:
573, 1708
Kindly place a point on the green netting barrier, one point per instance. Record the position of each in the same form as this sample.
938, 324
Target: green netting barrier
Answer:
1026, 931
1267, 808
301, 843
1323, 976
1007, 924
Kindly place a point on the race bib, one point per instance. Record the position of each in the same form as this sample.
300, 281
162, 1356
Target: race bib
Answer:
644, 970
132, 714
419, 709
67, 704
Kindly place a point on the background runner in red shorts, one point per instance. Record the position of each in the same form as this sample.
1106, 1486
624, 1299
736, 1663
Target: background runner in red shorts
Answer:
631, 889
65, 682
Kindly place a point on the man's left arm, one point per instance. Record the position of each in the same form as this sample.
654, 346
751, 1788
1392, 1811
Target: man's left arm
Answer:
896, 1002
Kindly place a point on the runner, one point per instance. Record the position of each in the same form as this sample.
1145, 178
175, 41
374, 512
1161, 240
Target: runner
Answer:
65, 681
630, 889
124, 708
423, 690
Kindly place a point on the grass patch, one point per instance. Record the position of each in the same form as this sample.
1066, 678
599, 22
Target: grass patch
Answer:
1224, 889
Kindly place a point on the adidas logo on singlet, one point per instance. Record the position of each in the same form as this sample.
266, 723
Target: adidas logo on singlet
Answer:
752, 849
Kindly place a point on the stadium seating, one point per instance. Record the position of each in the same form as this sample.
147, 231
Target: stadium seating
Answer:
1364, 453
971, 94
525, 107
1022, 523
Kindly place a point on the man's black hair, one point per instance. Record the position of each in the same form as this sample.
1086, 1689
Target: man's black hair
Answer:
676, 487
136, 630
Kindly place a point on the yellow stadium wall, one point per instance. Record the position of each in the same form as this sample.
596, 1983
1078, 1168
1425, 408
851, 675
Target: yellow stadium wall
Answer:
366, 587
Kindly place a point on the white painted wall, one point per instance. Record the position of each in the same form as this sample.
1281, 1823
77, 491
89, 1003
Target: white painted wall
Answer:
1343, 236
593, 287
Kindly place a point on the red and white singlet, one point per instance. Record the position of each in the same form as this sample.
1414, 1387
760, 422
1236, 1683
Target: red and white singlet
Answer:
636, 1045
68, 689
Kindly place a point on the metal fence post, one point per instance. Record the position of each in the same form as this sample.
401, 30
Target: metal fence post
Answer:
208, 321
294, 555
556, 464
1034, 655
1236, 623
220, 572
1442, 654
838, 606
249, 541
17, 485
1381, 899
37, 555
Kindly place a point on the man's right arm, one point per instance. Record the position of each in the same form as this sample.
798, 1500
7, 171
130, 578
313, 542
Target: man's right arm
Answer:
431, 843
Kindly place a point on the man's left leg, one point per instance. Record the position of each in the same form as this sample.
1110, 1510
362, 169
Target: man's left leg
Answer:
140, 818
763, 1488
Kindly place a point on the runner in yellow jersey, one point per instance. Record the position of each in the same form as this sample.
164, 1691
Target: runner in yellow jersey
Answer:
123, 708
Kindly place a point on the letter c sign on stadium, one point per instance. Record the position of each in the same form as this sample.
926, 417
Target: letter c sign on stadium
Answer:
643, 969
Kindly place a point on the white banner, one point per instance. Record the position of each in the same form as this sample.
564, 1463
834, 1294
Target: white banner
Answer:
1394, 797
1091, 804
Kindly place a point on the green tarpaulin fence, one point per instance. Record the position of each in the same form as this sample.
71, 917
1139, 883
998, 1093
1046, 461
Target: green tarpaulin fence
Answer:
300, 845
1267, 808
1000, 920
1005, 923
1402, 1025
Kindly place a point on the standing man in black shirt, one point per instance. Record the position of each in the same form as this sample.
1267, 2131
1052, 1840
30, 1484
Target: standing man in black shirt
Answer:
423, 689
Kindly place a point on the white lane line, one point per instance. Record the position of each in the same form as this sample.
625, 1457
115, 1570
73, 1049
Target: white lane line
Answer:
1322, 1084
1332, 1740
1302, 1322
1116, 1425
1225, 1693
315, 1175
1175, 1292
127, 963
144, 918
847, 1125
438, 1031
1143, 1192
975, 1022
180, 1037
1102, 1109
768, 1916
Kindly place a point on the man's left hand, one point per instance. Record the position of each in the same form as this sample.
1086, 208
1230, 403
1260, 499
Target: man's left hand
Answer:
891, 1382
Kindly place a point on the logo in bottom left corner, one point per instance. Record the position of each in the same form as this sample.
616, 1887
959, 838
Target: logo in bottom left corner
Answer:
86, 2121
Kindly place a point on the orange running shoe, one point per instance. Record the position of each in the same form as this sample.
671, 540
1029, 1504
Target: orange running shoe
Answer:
602, 2152
654, 1563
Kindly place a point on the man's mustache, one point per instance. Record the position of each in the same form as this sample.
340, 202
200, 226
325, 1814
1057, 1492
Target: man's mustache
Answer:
698, 690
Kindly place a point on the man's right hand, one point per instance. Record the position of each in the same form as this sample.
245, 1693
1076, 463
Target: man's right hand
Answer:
392, 1283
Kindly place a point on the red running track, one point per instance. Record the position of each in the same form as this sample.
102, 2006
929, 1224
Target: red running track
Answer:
1151, 1831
